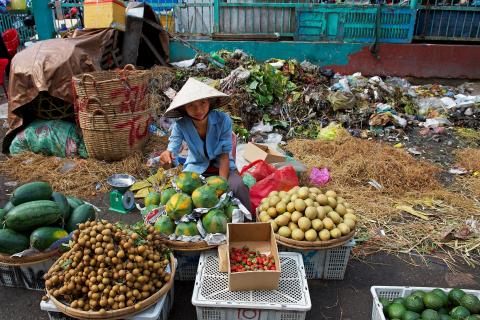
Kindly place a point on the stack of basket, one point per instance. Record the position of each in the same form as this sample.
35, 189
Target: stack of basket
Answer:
113, 111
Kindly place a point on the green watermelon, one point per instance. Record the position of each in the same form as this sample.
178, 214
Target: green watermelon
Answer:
215, 221
166, 195
204, 197
165, 225
3, 213
187, 229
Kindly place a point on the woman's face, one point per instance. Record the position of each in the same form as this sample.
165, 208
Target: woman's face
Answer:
198, 110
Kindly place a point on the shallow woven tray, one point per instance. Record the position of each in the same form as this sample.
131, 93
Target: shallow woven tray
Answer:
188, 246
314, 245
116, 314
18, 261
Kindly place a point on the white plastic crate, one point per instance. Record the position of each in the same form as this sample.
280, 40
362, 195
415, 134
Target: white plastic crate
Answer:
213, 300
399, 292
187, 264
329, 264
159, 311
28, 276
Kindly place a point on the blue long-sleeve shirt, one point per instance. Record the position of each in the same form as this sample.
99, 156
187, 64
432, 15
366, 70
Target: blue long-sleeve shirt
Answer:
218, 141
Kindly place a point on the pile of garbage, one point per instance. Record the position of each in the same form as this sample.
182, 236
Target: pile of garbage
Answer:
297, 100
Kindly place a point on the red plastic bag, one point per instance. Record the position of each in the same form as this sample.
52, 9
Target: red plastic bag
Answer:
258, 169
281, 180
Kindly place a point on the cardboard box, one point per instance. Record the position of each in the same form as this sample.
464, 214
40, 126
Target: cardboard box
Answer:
255, 151
257, 236
100, 14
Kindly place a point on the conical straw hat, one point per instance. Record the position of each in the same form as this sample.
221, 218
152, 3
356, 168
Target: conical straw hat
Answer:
194, 90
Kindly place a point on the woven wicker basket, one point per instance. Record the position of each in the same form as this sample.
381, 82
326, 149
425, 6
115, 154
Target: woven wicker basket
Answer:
120, 313
121, 91
314, 245
188, 246
92, 104
18, 261
113, 137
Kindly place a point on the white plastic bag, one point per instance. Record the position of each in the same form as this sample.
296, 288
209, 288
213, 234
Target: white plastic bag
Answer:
425, 105
261, 128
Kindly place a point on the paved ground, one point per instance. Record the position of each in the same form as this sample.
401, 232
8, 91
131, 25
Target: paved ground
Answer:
349, 299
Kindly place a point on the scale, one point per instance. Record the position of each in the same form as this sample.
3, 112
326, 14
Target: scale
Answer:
122, 200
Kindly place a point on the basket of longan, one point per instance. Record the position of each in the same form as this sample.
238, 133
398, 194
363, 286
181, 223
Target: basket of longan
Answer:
111, 271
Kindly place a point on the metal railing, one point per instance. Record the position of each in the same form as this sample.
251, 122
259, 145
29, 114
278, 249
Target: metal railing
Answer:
264, 18
454, 20
254, 18
251, 19
67, 15
194, 17
14, 20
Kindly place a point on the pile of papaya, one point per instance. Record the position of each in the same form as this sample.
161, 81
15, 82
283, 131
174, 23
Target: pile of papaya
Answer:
193, 193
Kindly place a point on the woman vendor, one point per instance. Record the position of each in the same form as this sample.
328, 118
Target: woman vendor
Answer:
207, 133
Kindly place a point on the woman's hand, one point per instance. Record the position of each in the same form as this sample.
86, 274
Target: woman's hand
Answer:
166, 157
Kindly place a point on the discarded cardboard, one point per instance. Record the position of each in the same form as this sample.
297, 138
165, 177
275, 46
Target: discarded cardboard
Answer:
223, 258
255, 151
257, 236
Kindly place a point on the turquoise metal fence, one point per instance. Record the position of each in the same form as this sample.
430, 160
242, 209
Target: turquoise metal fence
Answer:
67, 16
451, 20
259, 17
14, 20
306, 20
378, 23
356, 19
390, 21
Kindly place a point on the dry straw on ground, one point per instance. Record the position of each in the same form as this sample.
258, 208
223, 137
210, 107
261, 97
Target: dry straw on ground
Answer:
468, 159
76, 177
353, 162
79, 181
406, 181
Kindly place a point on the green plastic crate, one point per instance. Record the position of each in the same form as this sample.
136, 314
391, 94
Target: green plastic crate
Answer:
355, 24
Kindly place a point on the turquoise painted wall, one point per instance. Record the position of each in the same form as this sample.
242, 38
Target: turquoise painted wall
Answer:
421, 60
321, 53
